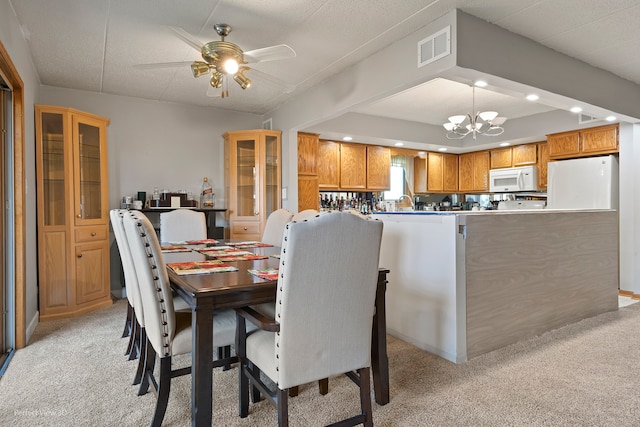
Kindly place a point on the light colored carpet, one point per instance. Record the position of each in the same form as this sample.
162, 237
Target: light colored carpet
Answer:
74, 373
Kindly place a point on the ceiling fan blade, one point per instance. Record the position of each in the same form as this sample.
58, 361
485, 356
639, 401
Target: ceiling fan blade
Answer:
271, 53
260, 76
163, 65
187, 38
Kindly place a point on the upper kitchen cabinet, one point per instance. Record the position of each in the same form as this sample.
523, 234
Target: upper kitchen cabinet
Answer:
520, 155
328, 165
583, 142
420, 174
501, 158
543, 163
252, 180
378, 168
72, 210
473, 171
353, 166
308, 188
441, 172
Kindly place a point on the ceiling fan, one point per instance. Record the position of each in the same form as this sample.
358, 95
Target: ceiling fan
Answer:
226, 60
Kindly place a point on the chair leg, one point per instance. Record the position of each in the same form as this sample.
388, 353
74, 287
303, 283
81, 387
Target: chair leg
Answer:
223, 353
143, 343
323, 386
134, 349
293, 391
283, 407
127, 323
365, 396
149, 364
243, 391
164, 387
255, 392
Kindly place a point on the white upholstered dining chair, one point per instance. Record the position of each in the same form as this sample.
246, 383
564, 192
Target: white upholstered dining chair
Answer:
181, 225
302, 215
324, 312
274, 228
169, 332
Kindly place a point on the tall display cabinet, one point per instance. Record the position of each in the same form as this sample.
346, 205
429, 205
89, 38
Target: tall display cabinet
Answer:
73, 217
253, 183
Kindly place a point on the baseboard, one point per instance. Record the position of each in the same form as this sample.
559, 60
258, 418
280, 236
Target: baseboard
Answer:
628, 294
32, 326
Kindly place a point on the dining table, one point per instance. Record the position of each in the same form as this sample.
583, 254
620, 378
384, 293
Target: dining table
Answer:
207, 292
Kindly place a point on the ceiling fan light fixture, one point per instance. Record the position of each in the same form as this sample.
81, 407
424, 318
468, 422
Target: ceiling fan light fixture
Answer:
242, 80
199, 68
216, 80
230, 66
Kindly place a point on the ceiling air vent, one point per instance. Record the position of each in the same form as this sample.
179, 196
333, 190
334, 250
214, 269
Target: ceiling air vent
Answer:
585, 118
434, 47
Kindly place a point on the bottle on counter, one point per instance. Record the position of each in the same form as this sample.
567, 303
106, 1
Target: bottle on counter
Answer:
206, 194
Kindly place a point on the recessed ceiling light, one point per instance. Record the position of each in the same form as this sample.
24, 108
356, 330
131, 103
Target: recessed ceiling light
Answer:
442, 149
481, 83
504, 144
347, 138
421, 153
398, 144
532, 97
575, 109
610, 118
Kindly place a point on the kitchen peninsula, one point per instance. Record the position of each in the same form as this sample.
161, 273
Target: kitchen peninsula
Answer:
464, 284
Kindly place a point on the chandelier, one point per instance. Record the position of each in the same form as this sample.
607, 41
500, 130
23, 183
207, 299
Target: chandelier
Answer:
481, 123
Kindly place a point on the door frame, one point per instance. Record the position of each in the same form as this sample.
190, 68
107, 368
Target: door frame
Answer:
12, 78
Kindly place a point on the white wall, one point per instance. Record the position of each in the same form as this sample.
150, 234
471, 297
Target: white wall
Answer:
158, 144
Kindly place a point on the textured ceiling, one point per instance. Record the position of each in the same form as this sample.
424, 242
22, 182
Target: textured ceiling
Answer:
93, 45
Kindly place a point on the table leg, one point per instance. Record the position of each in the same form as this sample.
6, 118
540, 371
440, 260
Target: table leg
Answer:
379, 358
201, 367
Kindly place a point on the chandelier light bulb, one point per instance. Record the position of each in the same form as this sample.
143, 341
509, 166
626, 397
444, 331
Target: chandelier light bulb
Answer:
487, 116
457, 120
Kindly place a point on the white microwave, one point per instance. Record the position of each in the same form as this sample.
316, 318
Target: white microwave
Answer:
508, 180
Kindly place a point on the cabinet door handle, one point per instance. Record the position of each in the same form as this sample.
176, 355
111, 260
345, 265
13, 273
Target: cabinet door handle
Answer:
79, 215
245, 228
79, 255
93, 234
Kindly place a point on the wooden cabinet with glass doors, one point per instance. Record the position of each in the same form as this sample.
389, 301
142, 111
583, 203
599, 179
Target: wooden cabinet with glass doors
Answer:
252, 180
73, 217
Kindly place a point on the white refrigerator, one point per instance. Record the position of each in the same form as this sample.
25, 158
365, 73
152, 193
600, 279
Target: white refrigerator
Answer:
587, 183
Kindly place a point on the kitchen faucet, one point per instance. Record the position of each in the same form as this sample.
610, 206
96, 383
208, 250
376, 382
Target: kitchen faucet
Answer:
404, 196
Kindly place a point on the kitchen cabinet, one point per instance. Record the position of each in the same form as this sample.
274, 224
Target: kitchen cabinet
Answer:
435, 169
308, 188
441, 172
420, 174
473, 171
378, 168
353, 166
543, 163
328, 165
72, 212
307, 153
583, 142
519, 155
481, 163
253, 182
524, 155
501, 158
